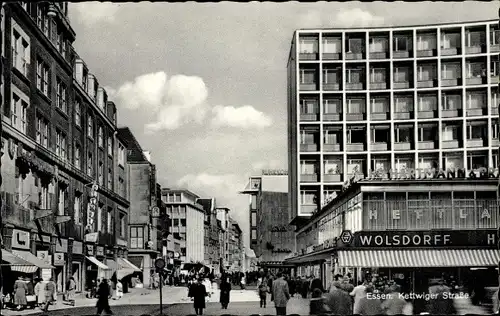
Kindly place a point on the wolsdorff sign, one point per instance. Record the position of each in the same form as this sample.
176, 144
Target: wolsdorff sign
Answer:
463, 238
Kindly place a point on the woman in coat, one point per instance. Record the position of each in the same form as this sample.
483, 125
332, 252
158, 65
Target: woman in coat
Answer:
225, 289
198, 292
20, 290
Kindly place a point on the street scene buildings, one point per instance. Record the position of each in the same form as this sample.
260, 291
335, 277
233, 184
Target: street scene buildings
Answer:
112, 171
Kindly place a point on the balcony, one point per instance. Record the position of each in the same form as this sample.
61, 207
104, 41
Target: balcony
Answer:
475, 40
355, 147
308, 209
309, 178
426, 44
310, 147
379, 107
356, 138
309, 109
308, 48
476, 103
451, 136
380, 138
450, 43
355, 47
308, 78
477, 132
494, 39
404, 136
427, 136
332, 47
401, 45
379, 46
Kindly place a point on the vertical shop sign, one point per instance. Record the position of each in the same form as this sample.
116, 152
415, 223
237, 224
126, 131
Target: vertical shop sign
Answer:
91, 209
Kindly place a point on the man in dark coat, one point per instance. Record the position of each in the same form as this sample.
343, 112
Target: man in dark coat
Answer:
225, 289
316, 284
281, 294
198, 292
103, 296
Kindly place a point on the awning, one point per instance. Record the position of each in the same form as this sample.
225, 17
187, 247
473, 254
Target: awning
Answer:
325, 254
31, 258
98, 263
136, 261
419, 258
125, 264
17, 264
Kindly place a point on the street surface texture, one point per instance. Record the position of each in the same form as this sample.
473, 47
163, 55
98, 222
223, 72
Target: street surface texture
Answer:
146, 302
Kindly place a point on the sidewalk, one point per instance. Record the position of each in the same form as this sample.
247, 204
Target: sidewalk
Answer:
464, 306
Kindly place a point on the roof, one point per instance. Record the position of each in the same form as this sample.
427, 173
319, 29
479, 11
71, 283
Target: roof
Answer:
135, 153
167, 190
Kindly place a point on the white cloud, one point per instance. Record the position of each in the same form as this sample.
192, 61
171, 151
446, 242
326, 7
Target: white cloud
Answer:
346, 18
244, 117
270, 164
181, 100
174, 101
356, 18
93, 12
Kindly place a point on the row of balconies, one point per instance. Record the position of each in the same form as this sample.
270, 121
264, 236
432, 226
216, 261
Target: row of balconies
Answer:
333, 169
378, 77
355, 46
429, 137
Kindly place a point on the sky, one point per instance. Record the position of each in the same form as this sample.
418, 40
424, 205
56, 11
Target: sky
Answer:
203, 85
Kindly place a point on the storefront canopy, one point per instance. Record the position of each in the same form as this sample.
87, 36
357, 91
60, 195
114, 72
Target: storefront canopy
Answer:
125, 268
18, 264
396, 258
98, 263
31, 258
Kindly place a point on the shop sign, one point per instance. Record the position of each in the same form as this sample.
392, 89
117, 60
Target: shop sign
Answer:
274, 172
121, 242
20, 239
327, 244
77, 247
462, 214
43, 255
99, 251
89, 250
462, 238
92, 208
59, 259
92, 237
63, 246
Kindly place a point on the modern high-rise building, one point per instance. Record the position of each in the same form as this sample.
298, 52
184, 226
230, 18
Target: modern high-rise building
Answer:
393, 98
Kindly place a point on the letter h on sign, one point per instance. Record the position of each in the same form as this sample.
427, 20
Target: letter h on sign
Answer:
373, 214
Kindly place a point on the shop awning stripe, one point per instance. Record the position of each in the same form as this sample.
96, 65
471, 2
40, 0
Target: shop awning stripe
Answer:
28, 269
98, 263
419, 258
128, 264
32, 259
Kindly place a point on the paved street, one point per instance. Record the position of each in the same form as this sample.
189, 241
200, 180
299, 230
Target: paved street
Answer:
144, 301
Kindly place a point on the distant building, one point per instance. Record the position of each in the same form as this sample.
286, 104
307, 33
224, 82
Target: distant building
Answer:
235, 250
211, 238
271, 236
188, 223
223, 217
143, 237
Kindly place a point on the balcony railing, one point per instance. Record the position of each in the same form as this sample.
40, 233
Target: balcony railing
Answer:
309, 117
401, 85
427, 114
427, 144
309, 177
450, 51
308, 56
331, 147
478, 80
378, 85
309, 147
353, 147
355, 117
427, 83
477, 142
450, 144
332, 56
402, 146
451, 113
427, 53
451, 82
308, 209
332, 116
380, 116
403, 115
313, 86
477, 111
332, 177
379, 146
354, 86
331, 86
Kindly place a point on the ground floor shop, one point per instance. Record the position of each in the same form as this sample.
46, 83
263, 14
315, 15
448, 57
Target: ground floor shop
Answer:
144, 262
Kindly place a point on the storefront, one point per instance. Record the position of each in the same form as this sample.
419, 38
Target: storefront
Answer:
60, 263
415, 258
95, 268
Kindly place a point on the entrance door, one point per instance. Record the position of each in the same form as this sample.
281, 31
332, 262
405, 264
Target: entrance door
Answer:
77, 275
60, 279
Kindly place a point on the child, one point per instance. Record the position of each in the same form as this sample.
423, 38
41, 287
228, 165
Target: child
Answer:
263, 294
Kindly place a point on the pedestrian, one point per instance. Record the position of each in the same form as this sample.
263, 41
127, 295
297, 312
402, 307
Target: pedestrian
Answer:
225, 289
338, 301
317, 303
369, 305
263, 290
316, 284
358, 293
50, 294
281, 294
394, 304
441, 304
39, 290
119, 290
103, 296
304, 287
20, 291
71, 290
198, 293
292, 286
243, 282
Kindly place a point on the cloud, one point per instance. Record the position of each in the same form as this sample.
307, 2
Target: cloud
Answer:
244, 117
94, 12
270, 164
355, 17
174, 101
181, 100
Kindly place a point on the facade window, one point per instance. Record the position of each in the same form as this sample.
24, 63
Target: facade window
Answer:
42, 20
307, 76
403, 104
401, 74
110, 178
109, 221
61, 144
136, 237
476, 100
451, 71
61, 96
61, 44
475, 39
121, 155
331, 76
123, 224
78, 162
43, 196
355, 106
426, 42
78, 113
121, 186
110, 146
254, 234
308, 45
21, 191
101, 173
20, 50
42, 76
99, 218
77, 207
332, 45
332, 106
309, 106
354, 75
42, 131
379, 105
378, 45
90, 165
18, 113
61, 202
90, 127
100, 137
377, 75
355, 45
495, 37
426, 73
400, 44
451, 102
307, 198
427, 103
